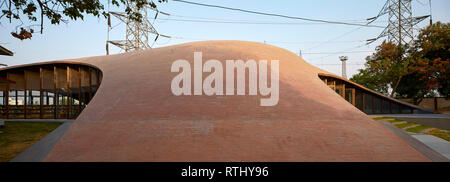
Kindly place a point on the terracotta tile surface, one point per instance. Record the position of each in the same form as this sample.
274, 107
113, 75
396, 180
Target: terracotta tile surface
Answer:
135, 117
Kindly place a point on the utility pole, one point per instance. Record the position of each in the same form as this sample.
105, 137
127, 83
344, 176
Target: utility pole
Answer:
137, 32
400, 28
344, 66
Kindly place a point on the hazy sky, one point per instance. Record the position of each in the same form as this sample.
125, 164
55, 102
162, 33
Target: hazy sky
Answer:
87, 38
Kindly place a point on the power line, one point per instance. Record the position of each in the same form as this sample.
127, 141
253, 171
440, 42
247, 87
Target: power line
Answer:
338, 37
239, 22
338, 52
341, 52
220, 19
276, 42
278, 15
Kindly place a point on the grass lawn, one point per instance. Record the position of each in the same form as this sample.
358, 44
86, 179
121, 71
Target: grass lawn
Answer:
18, 136
404, 125
417, 129
444, 134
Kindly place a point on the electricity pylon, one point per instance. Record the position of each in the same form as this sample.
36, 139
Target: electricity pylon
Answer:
137, 32
400, 28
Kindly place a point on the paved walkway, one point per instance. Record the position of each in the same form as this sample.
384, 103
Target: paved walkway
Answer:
427, 151
435, 148
38, 151
438, 144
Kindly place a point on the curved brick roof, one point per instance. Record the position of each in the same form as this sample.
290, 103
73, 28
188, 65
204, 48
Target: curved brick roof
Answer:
135, 117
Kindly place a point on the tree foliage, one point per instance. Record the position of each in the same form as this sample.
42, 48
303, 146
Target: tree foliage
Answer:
431, 53
383, 69
412, 71
58, 11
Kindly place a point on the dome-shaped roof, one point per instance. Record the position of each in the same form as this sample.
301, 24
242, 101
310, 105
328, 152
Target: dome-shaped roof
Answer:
135, 116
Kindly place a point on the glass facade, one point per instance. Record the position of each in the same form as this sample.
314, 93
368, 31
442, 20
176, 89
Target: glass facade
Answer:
368, 102
58, 91
386, 108
368, 106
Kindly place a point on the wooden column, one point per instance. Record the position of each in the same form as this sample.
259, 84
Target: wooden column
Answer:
373, 104
41, 93
25, 94
381, 105
79, 89
90, 84
98, 78
363, 101
69, 108
46, 97
435, 105
7, 97
55, 96
353, 96
390, 107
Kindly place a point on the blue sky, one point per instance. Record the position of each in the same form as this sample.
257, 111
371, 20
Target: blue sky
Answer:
87, 38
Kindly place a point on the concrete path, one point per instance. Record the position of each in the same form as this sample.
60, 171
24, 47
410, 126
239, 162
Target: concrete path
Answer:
38, 151
427, 151
438, 144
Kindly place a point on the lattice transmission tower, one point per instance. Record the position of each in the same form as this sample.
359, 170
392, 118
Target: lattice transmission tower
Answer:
400, 28
137, 33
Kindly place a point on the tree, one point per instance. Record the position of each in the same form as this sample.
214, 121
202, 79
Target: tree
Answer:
58, 10
384, 69
414, 71
431, 53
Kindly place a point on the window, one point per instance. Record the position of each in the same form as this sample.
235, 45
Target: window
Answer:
368, 103
376, 105
349, 95
406, 110
359, 100
2, 98
395, 108
386, 108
